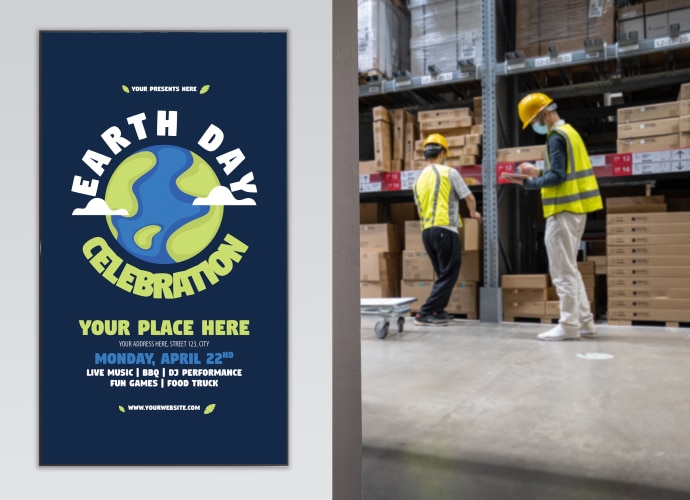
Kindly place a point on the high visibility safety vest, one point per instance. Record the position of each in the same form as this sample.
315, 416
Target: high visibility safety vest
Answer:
434, 195
580, 192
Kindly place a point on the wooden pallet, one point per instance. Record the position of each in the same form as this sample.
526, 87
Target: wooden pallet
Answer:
530, 319
633, 322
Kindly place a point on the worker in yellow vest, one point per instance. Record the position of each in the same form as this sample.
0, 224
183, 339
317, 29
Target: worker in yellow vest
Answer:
569, 191
437, 194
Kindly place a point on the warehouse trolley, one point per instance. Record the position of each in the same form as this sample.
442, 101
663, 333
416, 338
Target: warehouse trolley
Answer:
387, 308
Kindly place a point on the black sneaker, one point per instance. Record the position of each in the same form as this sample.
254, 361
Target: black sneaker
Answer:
444, 315
429, 320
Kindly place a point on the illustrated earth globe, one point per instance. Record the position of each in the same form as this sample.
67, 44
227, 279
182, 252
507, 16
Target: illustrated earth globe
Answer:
157, 186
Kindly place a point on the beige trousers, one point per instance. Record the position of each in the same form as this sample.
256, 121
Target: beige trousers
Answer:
562, 238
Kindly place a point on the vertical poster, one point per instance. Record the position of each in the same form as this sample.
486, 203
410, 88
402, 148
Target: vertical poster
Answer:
163, 248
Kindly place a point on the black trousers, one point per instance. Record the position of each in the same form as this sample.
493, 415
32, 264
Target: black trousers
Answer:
443, 248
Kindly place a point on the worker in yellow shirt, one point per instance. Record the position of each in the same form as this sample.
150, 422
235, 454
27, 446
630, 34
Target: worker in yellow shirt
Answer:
437, 194
569, 191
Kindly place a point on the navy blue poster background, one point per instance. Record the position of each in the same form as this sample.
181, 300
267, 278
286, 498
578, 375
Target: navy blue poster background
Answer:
197, 374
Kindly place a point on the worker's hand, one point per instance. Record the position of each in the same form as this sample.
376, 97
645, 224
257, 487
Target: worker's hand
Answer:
528, 169
476, 215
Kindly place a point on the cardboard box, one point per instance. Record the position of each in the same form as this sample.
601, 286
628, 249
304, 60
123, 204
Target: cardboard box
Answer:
635, 204
418, 289
368, 167
648, 218
525, 281
656, 143
471, 266
471, 234
649, 250
684, 140
401, 212
530, 153
413, 235
586, 267
379, 238
667, 315
599, 263
416, 266
648, 239
444, 114
648, 128
381, 113
463, 299
646, 260
380, 266
400, 118
649, 293
382, 145
650, 228
649, 272
649, 112
651, 303
525, 294
552, 308
371, 212
641, 282
526, 309
411, 132
684, 92
379, 289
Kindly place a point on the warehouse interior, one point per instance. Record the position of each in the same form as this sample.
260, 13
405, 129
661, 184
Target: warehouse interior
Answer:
479, 408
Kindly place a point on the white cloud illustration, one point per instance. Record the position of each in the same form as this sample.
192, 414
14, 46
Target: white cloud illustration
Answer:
220, 195
98, 206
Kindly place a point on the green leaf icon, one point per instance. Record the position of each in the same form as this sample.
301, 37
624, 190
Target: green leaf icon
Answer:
125, 88
210, 408
203, 90
121, 409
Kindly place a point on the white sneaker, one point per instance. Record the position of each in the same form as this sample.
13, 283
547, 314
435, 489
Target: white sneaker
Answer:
558, 333
588, 330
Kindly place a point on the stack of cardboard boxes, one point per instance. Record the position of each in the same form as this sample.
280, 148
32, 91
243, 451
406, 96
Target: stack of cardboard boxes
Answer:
652, 19
418, 274
457, 125
565, 25
395, 132
379, 260
655, 127
383, 37
444, 32
648, 253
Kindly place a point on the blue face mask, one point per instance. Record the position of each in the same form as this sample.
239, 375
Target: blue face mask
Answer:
540, 128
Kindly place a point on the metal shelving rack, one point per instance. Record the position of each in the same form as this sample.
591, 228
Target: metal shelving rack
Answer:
614, 68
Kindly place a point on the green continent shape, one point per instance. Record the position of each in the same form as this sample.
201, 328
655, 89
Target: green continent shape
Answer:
144, 236
187, 241
119, 193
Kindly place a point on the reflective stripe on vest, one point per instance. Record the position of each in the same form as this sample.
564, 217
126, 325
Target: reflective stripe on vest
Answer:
579, 193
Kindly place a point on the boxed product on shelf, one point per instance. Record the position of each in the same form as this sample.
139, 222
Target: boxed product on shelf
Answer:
648, 128
383, 237
383, 37
648, 112
463, 299
379, 289
634, 204
400, 118
416, 266
380, 266
413, 235
684, 92
652, 143
653, 18
371, 212
522, 153
444, 32
541, 23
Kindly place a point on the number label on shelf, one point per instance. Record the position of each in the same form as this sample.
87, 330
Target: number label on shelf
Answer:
547, 61
441, 77
668, 41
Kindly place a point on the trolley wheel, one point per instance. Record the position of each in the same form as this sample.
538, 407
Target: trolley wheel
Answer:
381, 329
401, 324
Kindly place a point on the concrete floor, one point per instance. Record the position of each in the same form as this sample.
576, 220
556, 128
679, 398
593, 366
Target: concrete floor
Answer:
486, 411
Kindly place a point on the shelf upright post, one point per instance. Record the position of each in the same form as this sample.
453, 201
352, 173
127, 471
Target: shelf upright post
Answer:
490, 295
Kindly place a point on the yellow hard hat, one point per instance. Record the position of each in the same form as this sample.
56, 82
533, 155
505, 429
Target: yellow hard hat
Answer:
437, 139
531, 105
